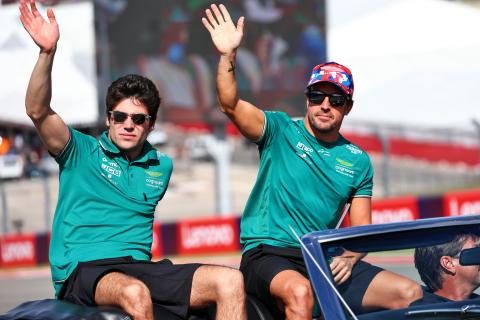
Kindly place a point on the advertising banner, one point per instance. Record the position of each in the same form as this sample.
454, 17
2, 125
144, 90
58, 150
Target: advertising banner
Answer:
210, 235
395, 210
18, 250
461, 203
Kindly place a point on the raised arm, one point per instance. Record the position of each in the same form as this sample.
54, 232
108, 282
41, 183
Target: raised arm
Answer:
227, 37
52, 129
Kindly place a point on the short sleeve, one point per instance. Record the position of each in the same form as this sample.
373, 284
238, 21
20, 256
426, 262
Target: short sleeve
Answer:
79, 145
274, 121
365, 186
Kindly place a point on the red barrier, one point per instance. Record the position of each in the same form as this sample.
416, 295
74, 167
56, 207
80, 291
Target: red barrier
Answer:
208, 235
427, 150
461, 203
157, 241
395, 210
18, 250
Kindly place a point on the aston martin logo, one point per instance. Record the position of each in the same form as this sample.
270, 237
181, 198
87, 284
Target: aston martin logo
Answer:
154, 174
344, 163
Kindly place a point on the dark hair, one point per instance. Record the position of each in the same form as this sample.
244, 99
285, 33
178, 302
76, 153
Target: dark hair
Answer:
427, 259
137, 86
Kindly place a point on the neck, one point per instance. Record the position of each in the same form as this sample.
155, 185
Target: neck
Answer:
455, 291
133, 154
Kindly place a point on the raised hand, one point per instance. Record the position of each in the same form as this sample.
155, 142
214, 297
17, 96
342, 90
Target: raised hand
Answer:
225, 35
45, 34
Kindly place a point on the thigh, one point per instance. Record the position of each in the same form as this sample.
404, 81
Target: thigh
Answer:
354, 289
260, 265
81, 284
169, 285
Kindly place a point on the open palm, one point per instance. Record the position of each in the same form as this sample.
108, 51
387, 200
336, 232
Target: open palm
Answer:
45, 34
225, 35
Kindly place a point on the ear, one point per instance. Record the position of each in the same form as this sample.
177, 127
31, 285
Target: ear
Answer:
107, 121
448, 265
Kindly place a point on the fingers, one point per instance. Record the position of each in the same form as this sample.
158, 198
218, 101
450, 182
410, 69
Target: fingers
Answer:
218, 14
342, 277
207, 24
33, 6
211, 20
225, 14
341, 272
25, 12
240, 24
51, 16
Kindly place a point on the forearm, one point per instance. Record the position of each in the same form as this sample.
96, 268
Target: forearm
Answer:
356, 256
226, 83
39, 91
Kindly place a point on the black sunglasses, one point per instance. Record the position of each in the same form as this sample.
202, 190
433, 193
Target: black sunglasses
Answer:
137, 118
335, 99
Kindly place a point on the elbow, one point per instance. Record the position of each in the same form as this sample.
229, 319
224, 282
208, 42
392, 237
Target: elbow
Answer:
228, 107
35, 114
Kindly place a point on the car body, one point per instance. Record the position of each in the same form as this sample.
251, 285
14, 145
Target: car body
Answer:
382, 241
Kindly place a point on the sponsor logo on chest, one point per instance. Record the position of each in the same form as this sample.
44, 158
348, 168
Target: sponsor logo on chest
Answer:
154, 179
344, 167
111, 168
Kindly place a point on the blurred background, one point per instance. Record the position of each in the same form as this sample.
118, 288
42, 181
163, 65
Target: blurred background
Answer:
415, 64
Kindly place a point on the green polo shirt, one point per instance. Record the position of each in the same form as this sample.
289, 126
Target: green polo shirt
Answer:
106, 203
302, 182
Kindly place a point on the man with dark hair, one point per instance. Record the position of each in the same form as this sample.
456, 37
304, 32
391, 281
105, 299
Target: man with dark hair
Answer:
109, 188
440, 269
308, 173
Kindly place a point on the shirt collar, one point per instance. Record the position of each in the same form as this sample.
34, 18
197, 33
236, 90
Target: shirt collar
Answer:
148, 152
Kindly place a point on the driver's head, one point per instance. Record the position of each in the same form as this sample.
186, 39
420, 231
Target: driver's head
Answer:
437, 263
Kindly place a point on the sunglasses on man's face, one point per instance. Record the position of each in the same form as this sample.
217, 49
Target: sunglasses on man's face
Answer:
137, 118
335, 99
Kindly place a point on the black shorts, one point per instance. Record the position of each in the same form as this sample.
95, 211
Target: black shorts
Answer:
170, 285
261, 264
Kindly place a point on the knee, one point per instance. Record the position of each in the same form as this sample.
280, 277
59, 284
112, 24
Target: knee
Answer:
409, 292
230, 284
134, 293
299, 298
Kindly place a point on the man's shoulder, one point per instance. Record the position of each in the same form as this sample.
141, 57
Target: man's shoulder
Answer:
77, 134
352, 149
162, 156
428, 298
163, 159
277, 116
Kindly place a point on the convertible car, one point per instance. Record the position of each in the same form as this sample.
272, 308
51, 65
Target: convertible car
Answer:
390, 246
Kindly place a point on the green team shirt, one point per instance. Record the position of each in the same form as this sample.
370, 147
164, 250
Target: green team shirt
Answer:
106, 203
301, 182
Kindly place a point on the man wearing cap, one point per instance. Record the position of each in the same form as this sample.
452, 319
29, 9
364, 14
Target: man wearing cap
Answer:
308, 173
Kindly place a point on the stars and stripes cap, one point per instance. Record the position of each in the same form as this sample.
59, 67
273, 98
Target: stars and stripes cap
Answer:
334, 73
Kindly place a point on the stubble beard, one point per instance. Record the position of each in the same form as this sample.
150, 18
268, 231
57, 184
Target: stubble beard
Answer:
322, 129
